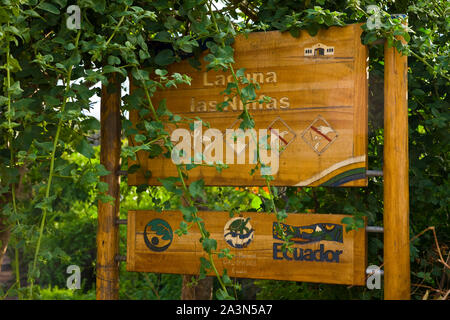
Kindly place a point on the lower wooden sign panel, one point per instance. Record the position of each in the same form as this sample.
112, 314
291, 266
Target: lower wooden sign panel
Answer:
322, 251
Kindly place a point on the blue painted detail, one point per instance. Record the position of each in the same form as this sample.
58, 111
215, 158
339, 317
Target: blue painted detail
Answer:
309, 234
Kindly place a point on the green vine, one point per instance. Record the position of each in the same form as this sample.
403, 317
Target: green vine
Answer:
12, 153
52, 166
208, 244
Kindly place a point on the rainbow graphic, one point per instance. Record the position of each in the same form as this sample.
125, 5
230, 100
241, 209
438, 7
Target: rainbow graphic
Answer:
338, 174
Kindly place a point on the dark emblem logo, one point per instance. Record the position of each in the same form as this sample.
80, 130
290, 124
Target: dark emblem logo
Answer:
238, 232
158, 235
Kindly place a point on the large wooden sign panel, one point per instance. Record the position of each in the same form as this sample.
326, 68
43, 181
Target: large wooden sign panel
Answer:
322, 251
318, 87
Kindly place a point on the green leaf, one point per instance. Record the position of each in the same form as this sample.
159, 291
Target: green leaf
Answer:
226, 279
205, 266
96, 5
14, 64
113, 60
161, 72
9, 125
90, 124
143, 54
348, 208
370, 37
141, 188
249, 92
359, 222
418, 92
223, 295
85, 148
170, 185
101, 170
256, 203
140, 138
112, 69
51, 101
3, 100
134, 168
46, 203
48, 7
225, 253
295, 32
313, 29
10, 175
140, 75
162, 109
209, 245
281, 215
164, 57
247, 121
188, 213
240, 73
196, 189
102, 186
32, 13
183, 228
349, 223
229, 89
194, 63
106, 198
162, 36
347, 220
15, 89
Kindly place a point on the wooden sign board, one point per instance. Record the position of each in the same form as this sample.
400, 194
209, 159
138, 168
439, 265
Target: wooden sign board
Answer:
318, 87
322, 251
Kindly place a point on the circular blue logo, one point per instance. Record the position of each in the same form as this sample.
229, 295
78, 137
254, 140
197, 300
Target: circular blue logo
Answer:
158, 235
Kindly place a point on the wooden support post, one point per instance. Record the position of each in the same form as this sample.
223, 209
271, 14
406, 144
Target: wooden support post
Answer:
108, 213
397, 282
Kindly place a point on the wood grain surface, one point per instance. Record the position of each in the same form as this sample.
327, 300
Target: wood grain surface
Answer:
397, 275
333, 256
319, 104
107, 268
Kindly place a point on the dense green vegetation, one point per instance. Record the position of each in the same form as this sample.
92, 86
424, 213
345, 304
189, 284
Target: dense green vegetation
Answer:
50, 173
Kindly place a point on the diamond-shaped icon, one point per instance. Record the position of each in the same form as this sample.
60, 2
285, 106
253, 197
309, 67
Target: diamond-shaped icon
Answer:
319, 135
285, 134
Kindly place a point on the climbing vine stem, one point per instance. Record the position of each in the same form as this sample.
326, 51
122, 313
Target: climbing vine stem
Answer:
50, 175
190, 200
12, 154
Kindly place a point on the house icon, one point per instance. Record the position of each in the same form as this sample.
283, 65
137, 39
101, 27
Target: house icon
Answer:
319, 49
